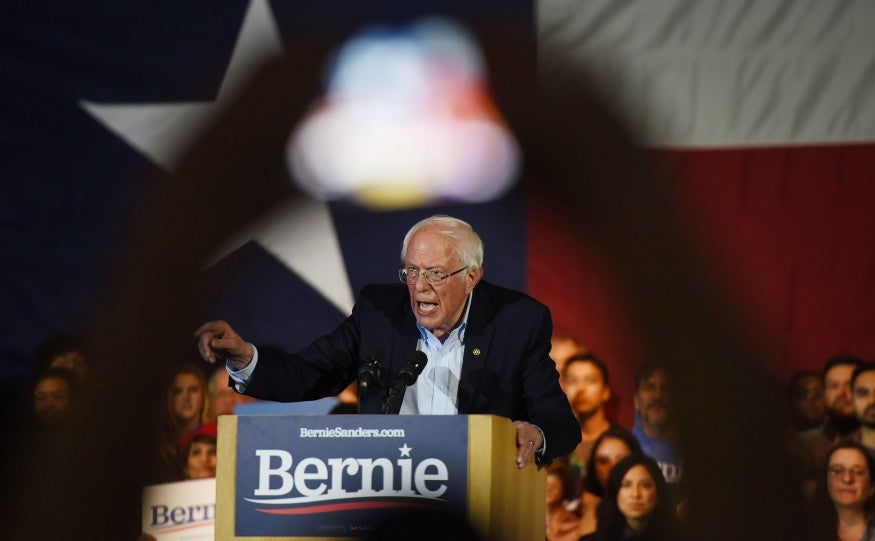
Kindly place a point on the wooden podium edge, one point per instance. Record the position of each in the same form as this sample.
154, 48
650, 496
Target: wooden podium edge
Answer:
504, 502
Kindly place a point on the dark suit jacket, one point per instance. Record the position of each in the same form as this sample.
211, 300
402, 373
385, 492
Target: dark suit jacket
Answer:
506, 369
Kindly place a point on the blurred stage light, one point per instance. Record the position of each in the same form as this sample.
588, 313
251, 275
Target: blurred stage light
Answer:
406, 120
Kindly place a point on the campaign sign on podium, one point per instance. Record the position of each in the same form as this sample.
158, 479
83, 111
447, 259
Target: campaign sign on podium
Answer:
341, 475
332, 477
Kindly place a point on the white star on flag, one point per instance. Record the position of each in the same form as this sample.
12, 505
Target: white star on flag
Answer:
301, 234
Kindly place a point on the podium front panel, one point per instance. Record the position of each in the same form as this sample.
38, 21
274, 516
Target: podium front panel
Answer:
331, 477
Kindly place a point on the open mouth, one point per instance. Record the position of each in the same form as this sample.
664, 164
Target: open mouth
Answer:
426, 307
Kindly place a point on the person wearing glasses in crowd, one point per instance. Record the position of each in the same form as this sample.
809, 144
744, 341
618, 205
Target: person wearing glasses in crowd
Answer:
843, 501
487, 346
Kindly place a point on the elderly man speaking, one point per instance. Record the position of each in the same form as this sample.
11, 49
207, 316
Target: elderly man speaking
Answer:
484, 348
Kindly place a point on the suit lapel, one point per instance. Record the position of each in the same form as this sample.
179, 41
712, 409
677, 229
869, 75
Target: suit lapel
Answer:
404, 337
478, 337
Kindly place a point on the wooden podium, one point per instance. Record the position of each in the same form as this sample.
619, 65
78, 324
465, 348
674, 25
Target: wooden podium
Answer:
501, 501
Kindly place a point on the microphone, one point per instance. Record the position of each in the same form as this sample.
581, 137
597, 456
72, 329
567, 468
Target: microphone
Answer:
410, 370
369, 371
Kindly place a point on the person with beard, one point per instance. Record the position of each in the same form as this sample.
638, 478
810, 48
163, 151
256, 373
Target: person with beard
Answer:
586, 385
812, 446
654, 425
863, 392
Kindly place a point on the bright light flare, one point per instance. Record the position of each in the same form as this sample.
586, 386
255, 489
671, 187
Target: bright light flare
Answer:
407, 119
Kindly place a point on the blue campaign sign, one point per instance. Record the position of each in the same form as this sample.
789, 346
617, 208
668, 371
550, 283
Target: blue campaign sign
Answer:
342, 475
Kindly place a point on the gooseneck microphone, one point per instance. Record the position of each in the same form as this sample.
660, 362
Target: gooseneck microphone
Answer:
369, 371
410, 370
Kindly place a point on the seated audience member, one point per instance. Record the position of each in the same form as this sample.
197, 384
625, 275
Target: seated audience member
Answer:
63, 350
636, 506
54, 395
562, 524
562, 348
186, 407
197, 452
612, 446
843, 501
806, 406
654, 425
586, 385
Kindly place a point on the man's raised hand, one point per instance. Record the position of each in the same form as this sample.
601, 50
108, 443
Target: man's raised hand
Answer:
217, 340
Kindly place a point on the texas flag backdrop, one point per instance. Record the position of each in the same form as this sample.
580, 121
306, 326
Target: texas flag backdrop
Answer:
760, 115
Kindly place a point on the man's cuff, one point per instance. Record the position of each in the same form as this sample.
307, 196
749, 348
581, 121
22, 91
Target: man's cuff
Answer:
543, 448
242, 377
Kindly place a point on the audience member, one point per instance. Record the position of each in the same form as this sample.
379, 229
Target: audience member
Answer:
843, 500
55, 394
587, 388
806, 405
812, 446
655, 426
611, 447
64, 350
186, 407
562, 348
197, 452
562, 524
863, 390
636, 506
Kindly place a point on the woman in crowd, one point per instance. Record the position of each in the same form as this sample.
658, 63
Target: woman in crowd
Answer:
611, 447
636, 504
843, 500
562, 524
185, 410
197, 452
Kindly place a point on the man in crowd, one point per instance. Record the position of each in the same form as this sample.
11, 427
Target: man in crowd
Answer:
487, 347
863, 391
805, 400
54, 395
563, 347
586, 385
655, 426
812, 446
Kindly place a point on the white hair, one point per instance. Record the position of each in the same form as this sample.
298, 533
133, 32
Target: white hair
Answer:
466, 241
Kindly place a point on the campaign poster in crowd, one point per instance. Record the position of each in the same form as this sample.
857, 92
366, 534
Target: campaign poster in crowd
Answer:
180, 511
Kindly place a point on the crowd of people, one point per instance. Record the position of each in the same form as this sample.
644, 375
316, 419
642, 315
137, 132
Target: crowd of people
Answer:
617, 484
622, 484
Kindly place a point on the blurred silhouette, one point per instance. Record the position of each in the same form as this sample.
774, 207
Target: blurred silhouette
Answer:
65, 350
55, 395
577, 156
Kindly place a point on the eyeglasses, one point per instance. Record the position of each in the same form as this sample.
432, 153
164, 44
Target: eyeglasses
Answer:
432, 276
840, 471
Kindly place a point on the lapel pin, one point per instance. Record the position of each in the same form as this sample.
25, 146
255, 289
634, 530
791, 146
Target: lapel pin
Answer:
476, 351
